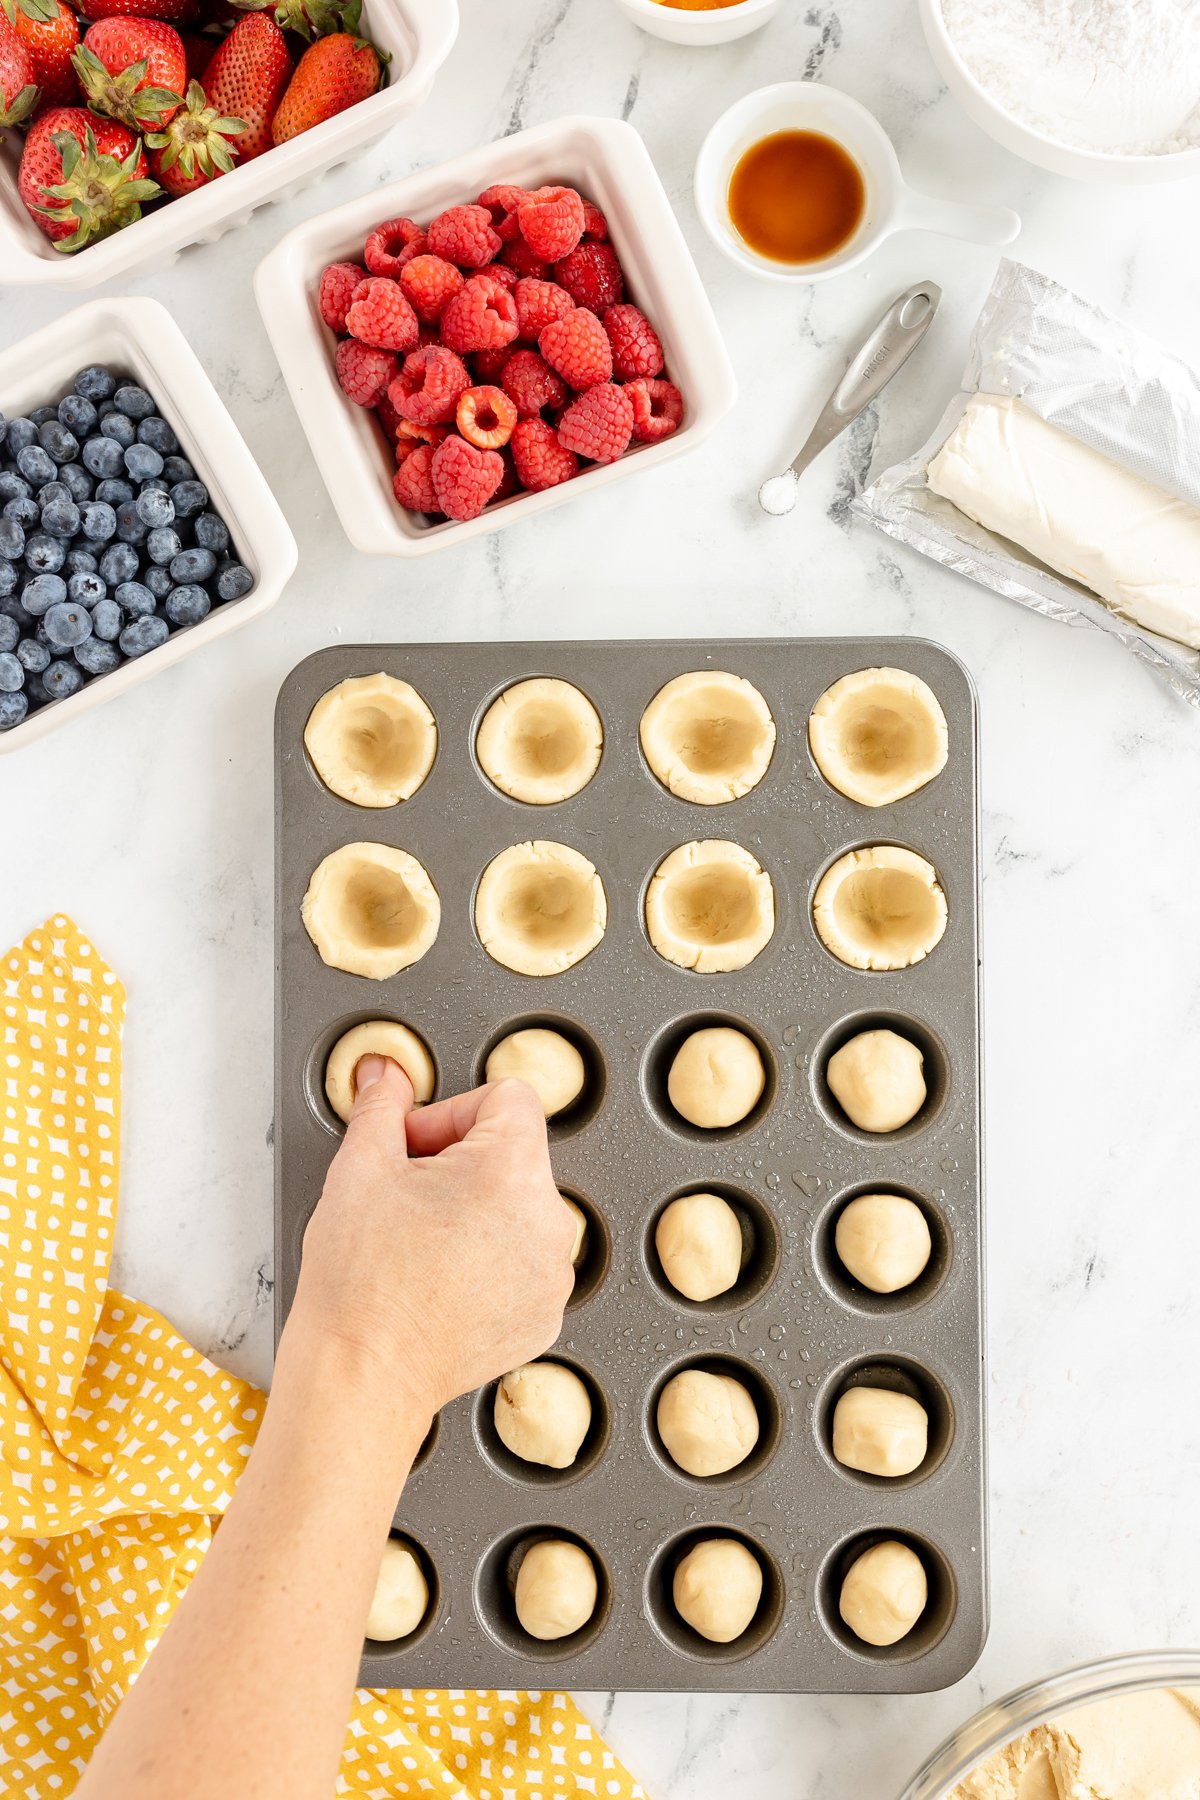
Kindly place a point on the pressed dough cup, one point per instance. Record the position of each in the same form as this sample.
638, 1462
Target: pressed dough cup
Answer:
708, 736
710, 907
540, 908
878, 735
540, 741
377, 1037
371, 909
880, 908
372, 740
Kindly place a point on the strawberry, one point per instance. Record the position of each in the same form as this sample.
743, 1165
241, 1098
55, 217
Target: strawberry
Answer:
199, 51
334, 73
308, 19
198, 145
49, 31
81, 177
133, 70
18, 78
246, 78
172, 12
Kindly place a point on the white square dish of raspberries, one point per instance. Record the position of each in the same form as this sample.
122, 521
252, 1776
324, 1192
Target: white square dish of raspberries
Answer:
490, 337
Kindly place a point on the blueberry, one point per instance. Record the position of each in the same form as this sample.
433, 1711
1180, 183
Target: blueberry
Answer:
115, 493
13, 708
158, 434
35, 688
95, 383
163, 544
190, 497
8, 578
63, 678
78, 483
32, 656
78, 414
43, 592
134, 401
21, 433
233, 580
44, 555
119, 563
142, 635
67, 625
158, 580
103, 457
40, 414
25, 512
106, 620
61, 518
154, 484
135, 598
11, 608
193, 565
10, 633
178, 468
13, 486
131, 528
80, 562
85, 589
35, 465
57, 441
99, 521
53, 490
96, 657
187, 605
12, 675
143, 462
118, 427
12, 538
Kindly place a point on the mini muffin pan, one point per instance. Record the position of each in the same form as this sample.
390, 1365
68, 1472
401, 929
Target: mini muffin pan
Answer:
796, 1329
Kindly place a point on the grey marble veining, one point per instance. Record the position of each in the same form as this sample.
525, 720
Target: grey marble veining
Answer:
150, 820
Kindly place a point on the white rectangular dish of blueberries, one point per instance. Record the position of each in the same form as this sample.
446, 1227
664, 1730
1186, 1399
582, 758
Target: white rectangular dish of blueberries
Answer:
718, 902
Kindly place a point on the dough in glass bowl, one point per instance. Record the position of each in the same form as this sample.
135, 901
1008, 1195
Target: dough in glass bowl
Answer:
372, 740
371, 910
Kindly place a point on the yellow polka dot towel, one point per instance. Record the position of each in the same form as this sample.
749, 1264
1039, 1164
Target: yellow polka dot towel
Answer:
120, 1446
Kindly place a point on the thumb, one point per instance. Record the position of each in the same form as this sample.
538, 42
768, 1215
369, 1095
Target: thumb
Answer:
383, 1099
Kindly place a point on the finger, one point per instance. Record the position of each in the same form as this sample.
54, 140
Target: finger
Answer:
383, 1099
507, 1107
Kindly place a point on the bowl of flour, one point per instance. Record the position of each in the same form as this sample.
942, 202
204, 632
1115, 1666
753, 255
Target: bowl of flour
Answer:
1102, 90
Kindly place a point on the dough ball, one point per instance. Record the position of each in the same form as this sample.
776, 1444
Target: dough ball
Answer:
371, 909
880, 908
878, 1080
883, 1241
878, 735
401, 1594
708, 736
377, 1037
540, 741
540, 908
543, 1413
707, 1422
710, 907
884, 1593
547, 1060
556, 1589
717, 1588
880, 1432
699, 1242
372, 740
581, 1228
716, 1078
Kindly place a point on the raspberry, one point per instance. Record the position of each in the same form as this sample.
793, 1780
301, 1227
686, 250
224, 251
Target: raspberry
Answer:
464, 478
538, 457
336, 290
532, 384
657, 409
592, 276
379, 314
595, 225
504, 275
427, 387
599, 424
389, 418
502, 201
485, 417
578, 348
636, 351
551, 221
411, 435
489, 365
539, 303
364, 372
508, 481
464, 235
385, 244
520, 257
413, 481
430, 283
482, 317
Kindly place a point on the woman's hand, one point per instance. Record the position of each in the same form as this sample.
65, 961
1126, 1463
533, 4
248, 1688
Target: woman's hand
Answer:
439, 1254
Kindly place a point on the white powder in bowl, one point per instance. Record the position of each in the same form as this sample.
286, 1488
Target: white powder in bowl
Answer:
1117, 76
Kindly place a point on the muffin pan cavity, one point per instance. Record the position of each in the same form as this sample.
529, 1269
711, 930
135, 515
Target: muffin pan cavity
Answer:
878, 1233
780, 1153
586, 1105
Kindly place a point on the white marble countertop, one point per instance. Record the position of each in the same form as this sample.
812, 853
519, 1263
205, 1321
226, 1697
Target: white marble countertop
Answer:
151, 821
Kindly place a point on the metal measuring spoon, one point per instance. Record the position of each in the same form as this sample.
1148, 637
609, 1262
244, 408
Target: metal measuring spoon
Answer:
878, 358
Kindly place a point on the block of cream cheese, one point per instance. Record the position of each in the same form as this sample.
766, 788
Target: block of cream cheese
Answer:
1132, 1747
1134, 545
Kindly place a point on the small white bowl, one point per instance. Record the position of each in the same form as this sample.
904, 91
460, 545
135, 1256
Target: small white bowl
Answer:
418, 34
1044, 152
890, 205
720, 25
141, 338
608, 162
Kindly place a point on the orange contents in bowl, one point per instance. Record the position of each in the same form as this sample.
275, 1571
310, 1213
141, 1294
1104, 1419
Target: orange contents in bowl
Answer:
699, 5
796, 196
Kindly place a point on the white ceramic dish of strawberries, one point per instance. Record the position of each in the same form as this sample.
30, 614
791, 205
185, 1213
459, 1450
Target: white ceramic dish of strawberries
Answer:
609, 165
418, 35
140, 337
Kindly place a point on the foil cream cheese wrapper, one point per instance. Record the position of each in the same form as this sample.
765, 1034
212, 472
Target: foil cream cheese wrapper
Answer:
1105, 384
